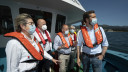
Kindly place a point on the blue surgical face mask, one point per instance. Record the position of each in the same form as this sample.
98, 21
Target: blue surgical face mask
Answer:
94, 21
72, 31
66, 32
31, 29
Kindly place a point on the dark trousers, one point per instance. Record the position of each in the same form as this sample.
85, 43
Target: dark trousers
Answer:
94, 62
44, 65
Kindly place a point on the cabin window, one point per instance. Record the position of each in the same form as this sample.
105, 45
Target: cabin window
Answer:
37, 14
6, 24
60, 20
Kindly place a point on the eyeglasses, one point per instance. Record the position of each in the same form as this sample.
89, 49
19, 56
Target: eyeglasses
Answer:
72, 28
31, 23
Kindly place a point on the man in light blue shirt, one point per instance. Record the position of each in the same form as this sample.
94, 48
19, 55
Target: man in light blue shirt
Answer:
93, 55
61, 48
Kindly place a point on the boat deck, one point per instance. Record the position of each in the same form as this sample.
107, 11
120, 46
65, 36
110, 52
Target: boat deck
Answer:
113, 62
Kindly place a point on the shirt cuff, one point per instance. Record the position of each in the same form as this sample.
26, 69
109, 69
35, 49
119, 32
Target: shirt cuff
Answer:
105, 44
47, 56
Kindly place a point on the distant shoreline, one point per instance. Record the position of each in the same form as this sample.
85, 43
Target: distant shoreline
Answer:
108, 28
115, 28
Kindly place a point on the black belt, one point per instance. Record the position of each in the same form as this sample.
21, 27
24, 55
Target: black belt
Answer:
94, 45
42, 42
49, 51
29, 61
64, 54
92, 55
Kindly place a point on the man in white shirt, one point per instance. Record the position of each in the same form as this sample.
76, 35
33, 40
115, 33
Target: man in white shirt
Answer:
73, 49
94, 42
43, 36
23, 51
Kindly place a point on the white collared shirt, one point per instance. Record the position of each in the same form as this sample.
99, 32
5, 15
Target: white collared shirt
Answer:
98, 48
72, 36
17, 54
48, 45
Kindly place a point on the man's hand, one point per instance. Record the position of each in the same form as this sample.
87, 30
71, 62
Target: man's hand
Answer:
78, 62
55, 61
100, 57
63, 46
78, 54
75, 43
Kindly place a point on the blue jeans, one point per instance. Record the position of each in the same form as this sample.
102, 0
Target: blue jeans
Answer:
94, 62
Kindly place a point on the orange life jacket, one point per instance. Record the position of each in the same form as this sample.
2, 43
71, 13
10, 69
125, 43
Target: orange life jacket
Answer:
86, 36
29, 47
41, 37
64, 41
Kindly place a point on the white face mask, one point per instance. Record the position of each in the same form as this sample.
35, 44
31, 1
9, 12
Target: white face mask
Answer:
44, 27
72, 31
84, 25
66, 32
94, 21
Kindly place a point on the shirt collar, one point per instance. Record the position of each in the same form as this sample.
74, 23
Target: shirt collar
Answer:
89, 29
31, 40
41, 31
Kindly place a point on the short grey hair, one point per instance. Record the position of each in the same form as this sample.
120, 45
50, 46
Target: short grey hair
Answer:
72, 26
21, 19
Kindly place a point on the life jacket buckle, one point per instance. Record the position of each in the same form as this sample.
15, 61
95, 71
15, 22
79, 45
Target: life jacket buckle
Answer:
94, 45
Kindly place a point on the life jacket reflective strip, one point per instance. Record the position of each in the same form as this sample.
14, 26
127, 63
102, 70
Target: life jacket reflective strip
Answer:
98, 34
48, 37
41, 37
86, 36
29, 47
64, 41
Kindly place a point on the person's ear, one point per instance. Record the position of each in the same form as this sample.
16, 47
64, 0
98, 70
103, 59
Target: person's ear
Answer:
87, 20
38, 25
84, 20
84, 23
